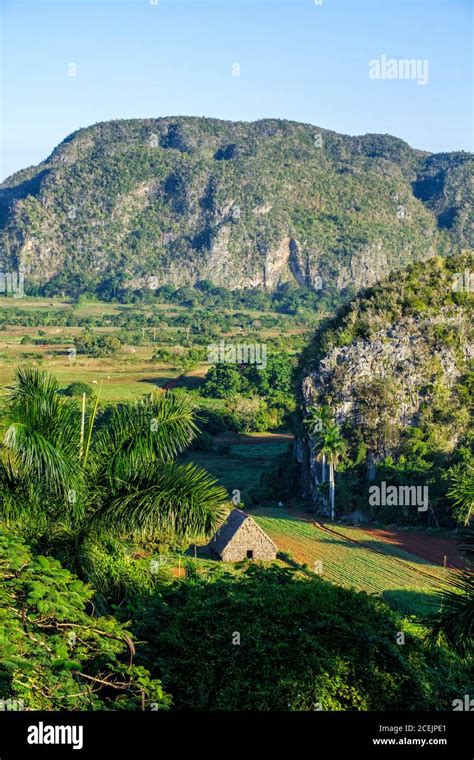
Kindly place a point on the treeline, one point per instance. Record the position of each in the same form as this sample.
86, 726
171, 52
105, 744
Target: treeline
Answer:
288, 298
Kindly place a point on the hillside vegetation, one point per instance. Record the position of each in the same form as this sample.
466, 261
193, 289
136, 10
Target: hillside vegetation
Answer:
141, 203
395, 368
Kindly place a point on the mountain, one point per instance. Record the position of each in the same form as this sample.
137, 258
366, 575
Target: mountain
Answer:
148, 202
395, 367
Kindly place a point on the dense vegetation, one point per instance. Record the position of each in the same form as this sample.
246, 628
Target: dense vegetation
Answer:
109, 507
80, 488
269, 640
54, 655
393, 369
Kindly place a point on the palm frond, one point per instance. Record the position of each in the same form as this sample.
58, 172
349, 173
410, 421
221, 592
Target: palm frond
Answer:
177, 499
156, 429
454, 621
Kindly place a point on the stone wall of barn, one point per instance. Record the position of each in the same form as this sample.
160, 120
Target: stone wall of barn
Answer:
248, 537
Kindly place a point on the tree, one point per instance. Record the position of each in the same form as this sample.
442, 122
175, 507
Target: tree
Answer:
318, 419
121, 480
273, 380
462, 491
246, 412
454, 620
222, 381
78, 388
332, 447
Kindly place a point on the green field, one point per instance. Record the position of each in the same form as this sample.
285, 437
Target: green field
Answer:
242, 467
352, 558
143, 329
405, 581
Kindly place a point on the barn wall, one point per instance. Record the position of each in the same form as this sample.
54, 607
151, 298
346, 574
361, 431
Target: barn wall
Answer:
248, 537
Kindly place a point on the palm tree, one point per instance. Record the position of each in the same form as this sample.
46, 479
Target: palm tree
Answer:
332, 447
317, 421
462, 491
121, 482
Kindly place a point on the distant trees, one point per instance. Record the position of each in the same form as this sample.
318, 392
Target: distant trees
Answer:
78, 388
272, 381
222, 380
98, 345
259, 397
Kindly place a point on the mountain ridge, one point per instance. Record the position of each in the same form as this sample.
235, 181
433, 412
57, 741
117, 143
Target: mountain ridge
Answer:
176, 200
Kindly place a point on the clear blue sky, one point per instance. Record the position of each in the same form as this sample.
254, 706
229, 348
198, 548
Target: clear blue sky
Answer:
298, 60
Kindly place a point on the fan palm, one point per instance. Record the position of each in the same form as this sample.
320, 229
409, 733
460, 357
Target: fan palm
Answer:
120, 481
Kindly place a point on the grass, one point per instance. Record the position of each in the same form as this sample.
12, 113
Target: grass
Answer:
125, 377
241, 468
403, 580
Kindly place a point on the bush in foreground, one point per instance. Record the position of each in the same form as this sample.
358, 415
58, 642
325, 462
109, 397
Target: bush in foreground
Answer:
268, 639
53, 655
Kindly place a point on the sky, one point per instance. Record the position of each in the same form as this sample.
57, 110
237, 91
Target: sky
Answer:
66, 64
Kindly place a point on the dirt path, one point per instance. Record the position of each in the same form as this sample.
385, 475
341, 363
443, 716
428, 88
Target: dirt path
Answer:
432, 548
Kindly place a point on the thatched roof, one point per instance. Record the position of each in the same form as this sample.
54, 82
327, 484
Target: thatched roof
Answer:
230, 527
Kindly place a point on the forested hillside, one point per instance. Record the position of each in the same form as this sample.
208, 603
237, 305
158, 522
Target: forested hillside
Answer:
394, 369
148, 202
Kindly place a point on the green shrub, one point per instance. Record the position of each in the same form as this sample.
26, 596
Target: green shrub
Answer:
203, 442
78, 388
54, 655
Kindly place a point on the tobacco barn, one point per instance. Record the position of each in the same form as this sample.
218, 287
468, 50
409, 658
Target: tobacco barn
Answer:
239, 537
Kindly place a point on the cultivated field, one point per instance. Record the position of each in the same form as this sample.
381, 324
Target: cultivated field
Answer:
42, 332
404, 580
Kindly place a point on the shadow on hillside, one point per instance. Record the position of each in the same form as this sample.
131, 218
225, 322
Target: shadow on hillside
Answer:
183, 381
383, 547
407, 601
157, 381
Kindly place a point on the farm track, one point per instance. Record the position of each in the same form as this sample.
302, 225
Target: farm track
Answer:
430, 548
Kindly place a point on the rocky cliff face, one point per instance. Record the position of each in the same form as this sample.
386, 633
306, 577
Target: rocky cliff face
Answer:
178, 200
397, 356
